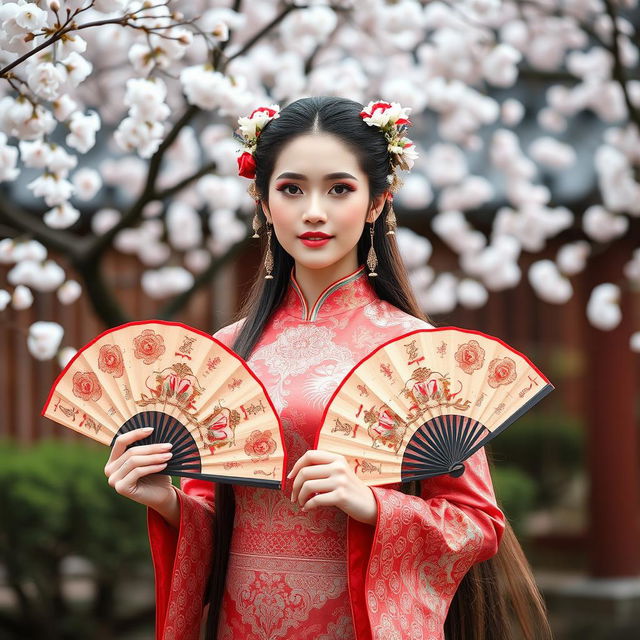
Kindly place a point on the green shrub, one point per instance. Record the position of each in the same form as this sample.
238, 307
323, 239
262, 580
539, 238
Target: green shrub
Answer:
56, 502
515, 492
548, 448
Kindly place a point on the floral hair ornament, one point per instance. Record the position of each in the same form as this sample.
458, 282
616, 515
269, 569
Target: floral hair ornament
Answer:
250, 129
393, 121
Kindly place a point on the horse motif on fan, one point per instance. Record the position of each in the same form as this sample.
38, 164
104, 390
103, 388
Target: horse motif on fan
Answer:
434, 397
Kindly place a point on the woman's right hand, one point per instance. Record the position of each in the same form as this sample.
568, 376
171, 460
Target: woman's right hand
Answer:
133, 472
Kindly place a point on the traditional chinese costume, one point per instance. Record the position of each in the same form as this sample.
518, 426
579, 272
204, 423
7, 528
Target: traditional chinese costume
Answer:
321, 575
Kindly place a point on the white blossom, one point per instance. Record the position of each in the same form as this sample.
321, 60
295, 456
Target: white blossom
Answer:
471, 294
64, 356
416, 192
69, 292
184, 226
634, 342
552, 153
47, 80
83, 130
22, 298
5, 298
166, 281
29, 250
548, 283
44, 339
603, 226
603, 310
42, 277
87, 183
414, 248
34, 154
104, 219
61, 216
77, 68
54, 190
8, 160
572, 257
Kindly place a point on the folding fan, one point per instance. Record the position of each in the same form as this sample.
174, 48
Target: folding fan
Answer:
195, 392
422, 403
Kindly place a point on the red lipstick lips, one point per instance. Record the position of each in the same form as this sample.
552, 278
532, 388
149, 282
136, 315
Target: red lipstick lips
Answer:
315, 238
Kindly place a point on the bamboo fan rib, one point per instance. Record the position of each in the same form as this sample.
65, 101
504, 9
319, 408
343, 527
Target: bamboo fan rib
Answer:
422, 403
195, 392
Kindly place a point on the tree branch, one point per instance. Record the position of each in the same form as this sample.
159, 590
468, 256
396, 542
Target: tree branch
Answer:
176, 188
100, 243
179, 302
279, 18
56, 239
100, 294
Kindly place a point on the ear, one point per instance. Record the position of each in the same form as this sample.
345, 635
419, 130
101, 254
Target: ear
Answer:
265, 209
377, 206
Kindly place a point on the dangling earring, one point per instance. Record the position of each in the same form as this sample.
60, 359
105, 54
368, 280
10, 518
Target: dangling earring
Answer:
372, 260
392, 223
256, 225
268, 260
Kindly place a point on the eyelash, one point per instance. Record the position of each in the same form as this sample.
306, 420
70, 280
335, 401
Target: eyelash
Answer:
283, 187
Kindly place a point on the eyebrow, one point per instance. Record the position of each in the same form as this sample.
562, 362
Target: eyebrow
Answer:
330, 176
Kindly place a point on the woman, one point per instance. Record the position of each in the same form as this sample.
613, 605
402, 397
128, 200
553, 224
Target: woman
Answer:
327, 556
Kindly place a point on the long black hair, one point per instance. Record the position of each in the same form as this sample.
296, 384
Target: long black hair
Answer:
483, 612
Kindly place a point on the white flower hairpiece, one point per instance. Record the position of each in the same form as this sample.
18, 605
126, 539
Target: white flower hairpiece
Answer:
393, 121
250, 129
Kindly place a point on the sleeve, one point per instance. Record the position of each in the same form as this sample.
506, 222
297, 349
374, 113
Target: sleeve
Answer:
405, 570
182, 557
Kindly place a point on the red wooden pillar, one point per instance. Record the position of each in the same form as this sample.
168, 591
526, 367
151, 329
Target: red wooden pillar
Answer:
613, 458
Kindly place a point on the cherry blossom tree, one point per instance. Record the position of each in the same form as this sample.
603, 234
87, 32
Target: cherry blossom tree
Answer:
117, 123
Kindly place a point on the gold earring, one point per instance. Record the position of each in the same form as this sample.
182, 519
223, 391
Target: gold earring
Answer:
372, 260
392, 223
268, 260
256, 224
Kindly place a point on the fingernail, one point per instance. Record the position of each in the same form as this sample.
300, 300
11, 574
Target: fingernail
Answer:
147, 429
289, 475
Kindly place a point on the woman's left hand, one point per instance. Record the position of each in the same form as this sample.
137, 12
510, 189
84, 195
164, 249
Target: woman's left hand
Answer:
334, 483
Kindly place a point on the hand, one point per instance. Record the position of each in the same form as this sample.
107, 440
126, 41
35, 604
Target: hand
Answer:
133, 473
325, 479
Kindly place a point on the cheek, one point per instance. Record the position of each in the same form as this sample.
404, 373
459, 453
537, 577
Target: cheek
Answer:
354, 212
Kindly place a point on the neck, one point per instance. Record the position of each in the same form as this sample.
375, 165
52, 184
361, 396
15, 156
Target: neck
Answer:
313, 282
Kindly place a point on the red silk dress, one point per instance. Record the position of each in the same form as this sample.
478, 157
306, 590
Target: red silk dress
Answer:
321, 575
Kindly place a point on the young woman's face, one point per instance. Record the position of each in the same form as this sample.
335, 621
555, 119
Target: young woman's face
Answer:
317, 186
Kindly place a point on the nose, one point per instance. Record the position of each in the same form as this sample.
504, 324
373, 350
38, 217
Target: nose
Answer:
314, 211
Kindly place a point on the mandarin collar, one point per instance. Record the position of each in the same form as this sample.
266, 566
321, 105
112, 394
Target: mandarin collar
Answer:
350, 292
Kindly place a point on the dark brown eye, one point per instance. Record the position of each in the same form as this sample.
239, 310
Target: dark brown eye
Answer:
344, 188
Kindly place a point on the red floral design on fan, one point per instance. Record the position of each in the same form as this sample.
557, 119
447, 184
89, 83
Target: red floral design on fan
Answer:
149, 346
86, 385
110, 360
501, 371
260, 445
470, 356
